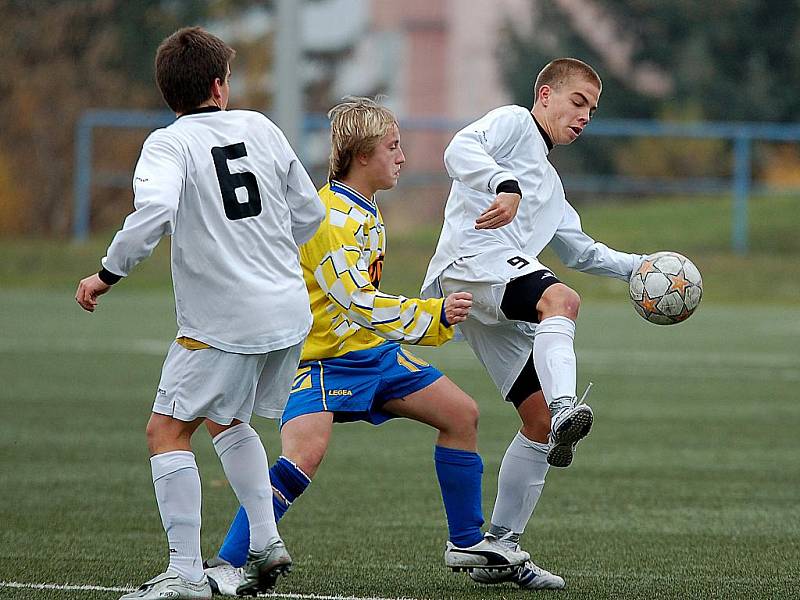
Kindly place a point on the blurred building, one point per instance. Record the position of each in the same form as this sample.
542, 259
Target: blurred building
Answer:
432, 59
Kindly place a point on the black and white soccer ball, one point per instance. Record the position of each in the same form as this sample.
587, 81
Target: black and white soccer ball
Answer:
666, 288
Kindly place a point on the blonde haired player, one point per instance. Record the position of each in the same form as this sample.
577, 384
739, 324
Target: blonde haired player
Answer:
506, 204
353, 367
229, 190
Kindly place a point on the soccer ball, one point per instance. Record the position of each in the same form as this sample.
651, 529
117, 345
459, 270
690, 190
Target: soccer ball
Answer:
666, 288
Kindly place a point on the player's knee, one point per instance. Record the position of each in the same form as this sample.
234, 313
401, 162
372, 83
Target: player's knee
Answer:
471, 415
307, 459
559, 300
465, 422
155, 436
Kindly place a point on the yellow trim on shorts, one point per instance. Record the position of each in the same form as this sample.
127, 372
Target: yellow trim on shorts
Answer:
414, 359
192, 344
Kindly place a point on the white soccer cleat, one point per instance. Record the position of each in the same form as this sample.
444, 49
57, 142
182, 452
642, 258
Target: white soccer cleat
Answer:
486, 554
260, 572
173, 586
528, 577
224, 578
571, 422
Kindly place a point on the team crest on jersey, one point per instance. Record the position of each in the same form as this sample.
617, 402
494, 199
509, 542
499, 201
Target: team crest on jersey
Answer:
375, 270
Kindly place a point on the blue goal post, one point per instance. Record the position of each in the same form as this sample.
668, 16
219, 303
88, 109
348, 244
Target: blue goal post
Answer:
741, 134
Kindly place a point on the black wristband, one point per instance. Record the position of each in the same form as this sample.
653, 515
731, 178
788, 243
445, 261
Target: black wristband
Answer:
108, 277
509, 187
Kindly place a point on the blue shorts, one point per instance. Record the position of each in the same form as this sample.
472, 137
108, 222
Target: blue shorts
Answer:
354, 387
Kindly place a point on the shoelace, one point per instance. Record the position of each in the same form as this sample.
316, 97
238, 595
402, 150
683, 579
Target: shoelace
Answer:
585, 394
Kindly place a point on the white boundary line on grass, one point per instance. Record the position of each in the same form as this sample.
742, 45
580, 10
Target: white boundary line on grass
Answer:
99, 588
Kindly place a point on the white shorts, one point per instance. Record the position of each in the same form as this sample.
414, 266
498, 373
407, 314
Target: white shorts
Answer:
502, 345
486, 276
223, 386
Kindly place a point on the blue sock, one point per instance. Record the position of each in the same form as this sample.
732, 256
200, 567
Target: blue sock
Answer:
288, 482
459, 473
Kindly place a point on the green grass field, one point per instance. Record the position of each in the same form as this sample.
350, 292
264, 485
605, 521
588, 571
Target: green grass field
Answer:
688, 487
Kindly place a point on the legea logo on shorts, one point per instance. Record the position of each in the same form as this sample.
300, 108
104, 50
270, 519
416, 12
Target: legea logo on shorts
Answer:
339, 392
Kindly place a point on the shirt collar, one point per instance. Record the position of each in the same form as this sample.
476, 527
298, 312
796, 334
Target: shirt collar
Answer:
354, 195
200, 110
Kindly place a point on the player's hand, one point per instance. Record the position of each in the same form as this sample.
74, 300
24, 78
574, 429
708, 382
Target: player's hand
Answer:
456, 307
501, 212
89, 289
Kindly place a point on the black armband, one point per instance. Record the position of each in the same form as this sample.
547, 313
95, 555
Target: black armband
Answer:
509, 187
108, 277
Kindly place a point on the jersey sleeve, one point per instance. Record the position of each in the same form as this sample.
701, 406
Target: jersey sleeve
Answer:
579, 251
471, 157
342, 274
157, 183
305, 206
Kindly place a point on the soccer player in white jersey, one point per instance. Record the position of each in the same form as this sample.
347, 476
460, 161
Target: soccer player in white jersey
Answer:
230, 191
353, 367
505, 205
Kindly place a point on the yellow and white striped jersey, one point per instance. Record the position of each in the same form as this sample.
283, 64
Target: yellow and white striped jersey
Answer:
342, 266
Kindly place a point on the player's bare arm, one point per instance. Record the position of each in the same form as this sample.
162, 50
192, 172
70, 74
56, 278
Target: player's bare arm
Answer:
501, 212
89, 288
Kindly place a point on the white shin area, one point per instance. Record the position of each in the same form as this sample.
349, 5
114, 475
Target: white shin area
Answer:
520, 483
177, 484
244, 461
554, 357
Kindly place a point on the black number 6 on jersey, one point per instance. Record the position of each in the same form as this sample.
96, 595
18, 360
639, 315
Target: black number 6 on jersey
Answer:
228, 182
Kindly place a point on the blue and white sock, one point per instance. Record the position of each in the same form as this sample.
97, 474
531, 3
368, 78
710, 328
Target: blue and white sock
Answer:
288, 482
460, 473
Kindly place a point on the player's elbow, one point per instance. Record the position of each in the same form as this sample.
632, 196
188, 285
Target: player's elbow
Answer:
451, 154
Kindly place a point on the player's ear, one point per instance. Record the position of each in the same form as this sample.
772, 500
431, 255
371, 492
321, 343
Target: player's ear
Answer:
544, 94
362, 158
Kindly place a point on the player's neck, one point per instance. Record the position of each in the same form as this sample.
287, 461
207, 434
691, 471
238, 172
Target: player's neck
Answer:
541, 125
360, 185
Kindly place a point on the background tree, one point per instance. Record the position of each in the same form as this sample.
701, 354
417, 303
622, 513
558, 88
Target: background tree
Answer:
668, 59
58, 59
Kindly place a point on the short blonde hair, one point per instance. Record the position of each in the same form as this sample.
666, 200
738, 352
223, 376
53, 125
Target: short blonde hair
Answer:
556, 73
357, 125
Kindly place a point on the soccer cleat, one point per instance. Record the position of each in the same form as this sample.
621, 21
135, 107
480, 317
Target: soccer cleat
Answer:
223, 577
260, 572
528, 576
486, 554
171, 585
571, 422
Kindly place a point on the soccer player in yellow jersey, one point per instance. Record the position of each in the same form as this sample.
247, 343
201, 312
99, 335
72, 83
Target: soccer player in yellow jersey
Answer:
353, 367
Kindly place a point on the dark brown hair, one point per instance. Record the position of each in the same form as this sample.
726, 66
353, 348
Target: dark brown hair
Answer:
558, 72
187, 64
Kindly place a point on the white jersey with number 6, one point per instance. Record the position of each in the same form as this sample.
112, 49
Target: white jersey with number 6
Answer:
233, 195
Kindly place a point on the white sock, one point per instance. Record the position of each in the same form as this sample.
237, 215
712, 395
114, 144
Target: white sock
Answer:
245, 463
177, 484
520, 483
554, 357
